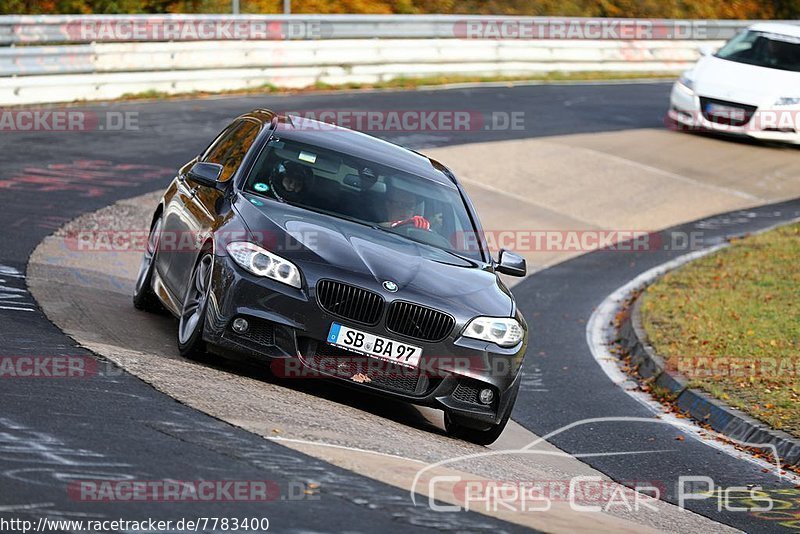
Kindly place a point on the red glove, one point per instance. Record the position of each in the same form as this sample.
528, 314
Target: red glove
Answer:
417, 220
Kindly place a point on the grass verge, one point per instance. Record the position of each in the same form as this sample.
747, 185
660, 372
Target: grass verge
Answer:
730, 322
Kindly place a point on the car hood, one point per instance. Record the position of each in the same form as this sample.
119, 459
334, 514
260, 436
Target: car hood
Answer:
329, 247
746, 84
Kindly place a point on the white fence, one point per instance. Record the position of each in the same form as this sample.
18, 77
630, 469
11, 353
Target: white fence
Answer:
68, 58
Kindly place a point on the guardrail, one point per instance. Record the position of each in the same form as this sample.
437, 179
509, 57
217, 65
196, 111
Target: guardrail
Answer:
67, 58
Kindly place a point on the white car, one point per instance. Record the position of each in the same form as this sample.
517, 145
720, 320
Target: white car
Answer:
751, 86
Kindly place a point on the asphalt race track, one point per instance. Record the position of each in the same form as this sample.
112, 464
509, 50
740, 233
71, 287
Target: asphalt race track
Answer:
115, 426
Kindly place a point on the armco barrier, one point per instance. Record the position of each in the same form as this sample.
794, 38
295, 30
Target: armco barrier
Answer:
120, 69
351, 54
68, 58
23, 61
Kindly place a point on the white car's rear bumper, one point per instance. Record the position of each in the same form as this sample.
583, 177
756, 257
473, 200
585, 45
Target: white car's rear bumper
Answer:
776, 124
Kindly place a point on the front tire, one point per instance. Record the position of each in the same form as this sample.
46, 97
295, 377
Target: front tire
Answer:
193, 314
144, 298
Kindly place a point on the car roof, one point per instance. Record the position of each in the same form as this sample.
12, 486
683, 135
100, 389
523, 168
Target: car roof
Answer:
351, 142
776, 27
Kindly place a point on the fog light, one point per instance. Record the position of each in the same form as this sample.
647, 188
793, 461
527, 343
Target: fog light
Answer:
240, 325
486, 396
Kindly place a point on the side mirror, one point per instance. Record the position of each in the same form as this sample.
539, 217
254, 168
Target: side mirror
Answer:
511, 264
206, 174
706, 50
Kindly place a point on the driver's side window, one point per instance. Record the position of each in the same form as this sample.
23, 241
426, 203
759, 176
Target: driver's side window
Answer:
231, 146
213, 148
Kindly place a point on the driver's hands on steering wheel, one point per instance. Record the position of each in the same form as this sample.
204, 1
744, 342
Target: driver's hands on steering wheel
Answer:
418, 221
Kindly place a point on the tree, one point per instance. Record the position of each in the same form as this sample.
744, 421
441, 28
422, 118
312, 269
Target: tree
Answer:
693, 9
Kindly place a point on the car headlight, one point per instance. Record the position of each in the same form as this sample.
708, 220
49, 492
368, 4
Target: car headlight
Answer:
504, 331
788, 101
260, 262
686, 82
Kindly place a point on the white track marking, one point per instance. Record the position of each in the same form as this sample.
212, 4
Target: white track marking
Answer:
16, 309
345, 447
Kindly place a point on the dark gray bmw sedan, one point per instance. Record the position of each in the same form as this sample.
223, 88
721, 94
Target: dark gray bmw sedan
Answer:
328, 253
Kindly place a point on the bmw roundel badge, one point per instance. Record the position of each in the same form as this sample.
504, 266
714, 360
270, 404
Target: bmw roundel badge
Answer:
390, 286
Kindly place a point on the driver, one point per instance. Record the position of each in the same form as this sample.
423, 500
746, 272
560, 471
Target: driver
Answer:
289, 180
401, 206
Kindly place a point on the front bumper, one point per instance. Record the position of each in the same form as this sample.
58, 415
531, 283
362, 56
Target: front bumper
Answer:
780, 124
289, 328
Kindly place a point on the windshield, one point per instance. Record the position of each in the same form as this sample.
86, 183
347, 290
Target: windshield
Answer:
355, 189
763, 49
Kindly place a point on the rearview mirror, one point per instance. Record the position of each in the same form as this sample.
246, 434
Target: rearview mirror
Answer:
206, 174
511, 264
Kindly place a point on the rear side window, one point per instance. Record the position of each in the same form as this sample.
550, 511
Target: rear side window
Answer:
231, 146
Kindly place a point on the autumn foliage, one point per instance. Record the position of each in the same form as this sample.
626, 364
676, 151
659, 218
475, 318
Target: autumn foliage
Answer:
716, 9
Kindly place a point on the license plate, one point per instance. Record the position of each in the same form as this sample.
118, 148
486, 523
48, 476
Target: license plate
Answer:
725, 112
372, 345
